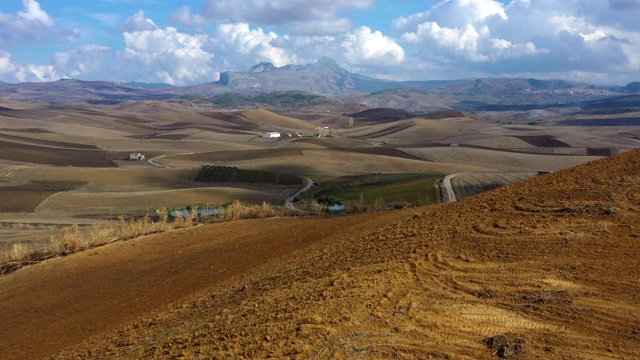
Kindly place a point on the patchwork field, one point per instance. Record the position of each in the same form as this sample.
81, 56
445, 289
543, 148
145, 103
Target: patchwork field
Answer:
540, 269
72, 161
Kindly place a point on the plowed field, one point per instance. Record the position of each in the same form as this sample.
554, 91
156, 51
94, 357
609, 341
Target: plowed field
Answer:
547, 268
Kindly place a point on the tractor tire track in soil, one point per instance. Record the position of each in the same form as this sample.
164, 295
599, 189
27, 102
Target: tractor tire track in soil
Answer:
49, 306
545, 268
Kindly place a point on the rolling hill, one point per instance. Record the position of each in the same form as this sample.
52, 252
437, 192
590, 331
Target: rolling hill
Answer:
545, 268
304, 85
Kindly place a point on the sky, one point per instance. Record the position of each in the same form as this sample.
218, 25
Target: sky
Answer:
192, 41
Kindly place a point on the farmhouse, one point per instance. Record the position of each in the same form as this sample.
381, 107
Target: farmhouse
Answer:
136, 156
271, 135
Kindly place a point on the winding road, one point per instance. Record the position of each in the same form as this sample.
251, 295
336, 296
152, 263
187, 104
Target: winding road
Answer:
450, 194
289, 203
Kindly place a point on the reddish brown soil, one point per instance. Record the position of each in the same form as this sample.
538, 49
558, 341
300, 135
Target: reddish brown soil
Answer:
547, 268
50, 306
54, 156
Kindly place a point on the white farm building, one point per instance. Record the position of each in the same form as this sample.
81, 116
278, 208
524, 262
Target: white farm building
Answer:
136, 156
271, 135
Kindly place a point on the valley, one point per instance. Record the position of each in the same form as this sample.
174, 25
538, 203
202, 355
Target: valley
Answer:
369, 261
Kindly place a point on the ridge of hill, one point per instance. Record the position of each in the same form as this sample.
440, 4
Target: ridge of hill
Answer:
268, 121
545, 268
65, 91
293, 99
327, 78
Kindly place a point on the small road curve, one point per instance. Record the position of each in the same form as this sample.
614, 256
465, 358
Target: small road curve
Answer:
450, 195
289, 203
154, 163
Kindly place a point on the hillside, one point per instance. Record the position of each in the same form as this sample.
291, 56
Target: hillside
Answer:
69, 91
305, 85
294, 99
541, 269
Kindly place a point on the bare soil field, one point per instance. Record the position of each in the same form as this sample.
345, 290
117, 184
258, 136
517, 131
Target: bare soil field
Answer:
497, 159
268, 120
54, 156
27, 197
334, 162
114, 203
545, 268
466, 185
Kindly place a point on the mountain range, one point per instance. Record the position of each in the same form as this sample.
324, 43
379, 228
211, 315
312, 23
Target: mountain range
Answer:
326, 78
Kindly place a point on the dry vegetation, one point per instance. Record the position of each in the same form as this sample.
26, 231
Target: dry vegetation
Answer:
73, 239
544, 269
541, 269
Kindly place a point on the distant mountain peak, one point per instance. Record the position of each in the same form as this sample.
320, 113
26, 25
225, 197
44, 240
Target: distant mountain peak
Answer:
327, 61
262, 67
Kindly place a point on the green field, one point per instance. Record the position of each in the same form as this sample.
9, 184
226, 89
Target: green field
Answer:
212, 173
417, 189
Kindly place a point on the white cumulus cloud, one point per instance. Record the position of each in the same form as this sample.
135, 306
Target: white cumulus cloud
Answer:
7, 67
138, 22
87, 61
364, 45
168, 55
241, 47
32, 24
523, 36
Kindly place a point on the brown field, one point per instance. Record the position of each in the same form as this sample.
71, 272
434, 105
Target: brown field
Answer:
89, 144
466, 185
26, 198
546, 266
104, 203
541, 269
54, 156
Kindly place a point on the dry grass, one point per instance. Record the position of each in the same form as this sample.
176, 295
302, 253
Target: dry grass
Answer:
20, 253
238, 210
74, 238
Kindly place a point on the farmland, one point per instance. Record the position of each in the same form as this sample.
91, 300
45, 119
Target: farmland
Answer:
514, 266
380, 189
307, 286
70, 164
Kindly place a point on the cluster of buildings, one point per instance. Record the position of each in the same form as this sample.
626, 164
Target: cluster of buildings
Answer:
275, 134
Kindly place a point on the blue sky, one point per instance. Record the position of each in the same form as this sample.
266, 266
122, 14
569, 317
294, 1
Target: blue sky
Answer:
192, 41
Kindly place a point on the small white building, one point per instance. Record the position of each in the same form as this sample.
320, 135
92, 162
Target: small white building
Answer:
136, 156
271, 135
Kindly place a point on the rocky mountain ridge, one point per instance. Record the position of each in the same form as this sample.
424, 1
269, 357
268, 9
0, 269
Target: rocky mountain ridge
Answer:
327, 78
